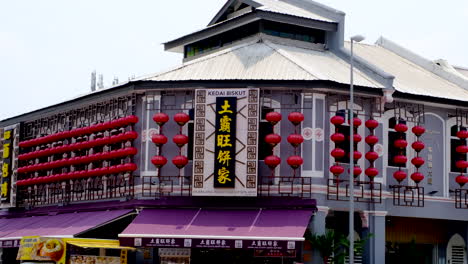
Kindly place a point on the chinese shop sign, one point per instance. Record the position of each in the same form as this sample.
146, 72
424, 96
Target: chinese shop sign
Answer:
225, 140
273, 245
225, 148
6, 165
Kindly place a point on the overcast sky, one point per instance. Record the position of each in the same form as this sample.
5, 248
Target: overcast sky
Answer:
49, 48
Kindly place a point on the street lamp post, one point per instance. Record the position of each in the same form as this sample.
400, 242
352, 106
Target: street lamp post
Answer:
357, 38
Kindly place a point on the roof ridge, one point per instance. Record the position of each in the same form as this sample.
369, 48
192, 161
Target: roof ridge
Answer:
422, 62
241, 44
280, 52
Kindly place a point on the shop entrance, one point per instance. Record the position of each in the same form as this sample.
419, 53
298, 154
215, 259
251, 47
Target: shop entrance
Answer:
409, 253
234, 256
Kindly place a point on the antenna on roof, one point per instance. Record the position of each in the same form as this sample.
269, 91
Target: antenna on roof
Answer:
115, 81
93, 81
101, 82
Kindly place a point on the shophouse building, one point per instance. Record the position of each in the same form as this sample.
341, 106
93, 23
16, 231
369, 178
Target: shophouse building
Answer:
232, 156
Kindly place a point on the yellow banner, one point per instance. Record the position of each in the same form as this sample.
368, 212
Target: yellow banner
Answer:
54, 249
42, 249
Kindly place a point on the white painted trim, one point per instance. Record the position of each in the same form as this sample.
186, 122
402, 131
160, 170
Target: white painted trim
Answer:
445, 186
314, 172
376, 213
212, 237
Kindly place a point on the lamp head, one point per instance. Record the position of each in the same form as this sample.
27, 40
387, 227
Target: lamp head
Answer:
357, 38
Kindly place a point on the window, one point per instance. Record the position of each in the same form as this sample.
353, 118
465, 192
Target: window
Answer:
454, 143
392, 136
190, 133
264, 149
343, 129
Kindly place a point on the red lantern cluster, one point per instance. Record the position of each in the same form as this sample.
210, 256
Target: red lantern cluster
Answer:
357, 122
371, 155
400, 159
273, 161
82, 131
77, 175
461, 164
417, 161
180, 140
295, 140
52, 153
337, 153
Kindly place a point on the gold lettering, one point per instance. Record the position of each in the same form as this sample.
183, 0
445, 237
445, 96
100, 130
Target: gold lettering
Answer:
224, 156
5, 169
225, 124
224, 141
4, 189
6, 150
225, 108
223, 175
7, 135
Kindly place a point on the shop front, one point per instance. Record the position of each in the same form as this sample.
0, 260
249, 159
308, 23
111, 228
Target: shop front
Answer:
71, 251
218, 235
14, 231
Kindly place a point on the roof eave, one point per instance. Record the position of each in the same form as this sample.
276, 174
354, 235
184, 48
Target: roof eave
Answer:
177, 45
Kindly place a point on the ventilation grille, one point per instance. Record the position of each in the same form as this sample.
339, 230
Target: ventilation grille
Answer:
458, 255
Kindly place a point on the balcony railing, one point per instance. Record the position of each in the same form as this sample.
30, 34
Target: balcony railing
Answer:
364, 191
461, 198
279, 186
108, 187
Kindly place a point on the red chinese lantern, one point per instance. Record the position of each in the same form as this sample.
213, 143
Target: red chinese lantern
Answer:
127, 167
295, 161
296, 118
461, 180
372, 124
402, 128
336, 170
273, 139
417, 162
462, 164
180, 140
400, 143
272, 161
337, 120
372, 156
400, 159
181, 118
418, 131
462, 134
371, 172
337, 137
462, 149
338, 153
356, 155
273, 117
161, 118
417, 177
399, 175
357, 138
372, 140
180, 161
418, 146
295, 139
159, 161
357, 122
159, 140
357, 171
131, 119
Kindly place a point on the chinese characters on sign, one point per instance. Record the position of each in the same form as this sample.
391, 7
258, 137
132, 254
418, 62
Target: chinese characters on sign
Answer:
225, 142
6, 166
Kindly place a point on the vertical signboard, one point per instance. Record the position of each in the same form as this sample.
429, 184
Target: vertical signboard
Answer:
7, 165
225, 142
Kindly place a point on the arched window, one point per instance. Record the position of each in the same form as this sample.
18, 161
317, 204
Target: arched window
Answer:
456, 250
392, 136
454, 143
266, 128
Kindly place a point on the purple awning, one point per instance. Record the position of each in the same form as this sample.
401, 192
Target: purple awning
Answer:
60, 225
259, 224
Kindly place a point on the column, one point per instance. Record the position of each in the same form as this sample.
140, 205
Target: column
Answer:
374, 252
316, 226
